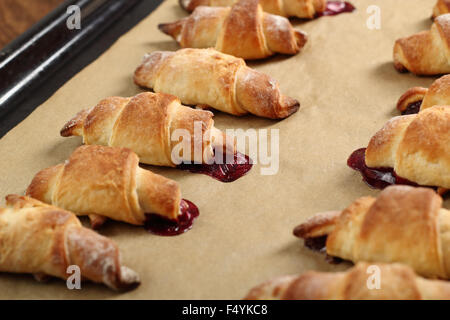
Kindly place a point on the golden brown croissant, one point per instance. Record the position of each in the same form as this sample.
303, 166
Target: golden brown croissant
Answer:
209, 77
441, 7
404, 224
416, 147
427, 52
108, 182
418, 98
396, 282
243, 31
145, 124
45, 240
286, 8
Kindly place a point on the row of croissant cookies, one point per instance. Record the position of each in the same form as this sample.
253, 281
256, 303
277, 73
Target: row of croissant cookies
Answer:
103, 179
402, 235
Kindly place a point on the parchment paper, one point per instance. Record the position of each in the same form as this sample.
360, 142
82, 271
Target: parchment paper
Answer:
347, 86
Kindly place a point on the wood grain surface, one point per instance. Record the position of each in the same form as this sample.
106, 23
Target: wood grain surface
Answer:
16, 16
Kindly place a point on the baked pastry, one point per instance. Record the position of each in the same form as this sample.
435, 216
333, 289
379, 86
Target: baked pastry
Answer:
243, 30
145, 124
441, 7
107, 182
286, 8
417, 98
45, 240
412, 149
221, 81
397, 282
404, 224
427, 52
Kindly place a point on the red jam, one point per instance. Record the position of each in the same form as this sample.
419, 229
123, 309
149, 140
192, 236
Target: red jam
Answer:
412, 108
378, 178
164, 227
336, 7
225, 172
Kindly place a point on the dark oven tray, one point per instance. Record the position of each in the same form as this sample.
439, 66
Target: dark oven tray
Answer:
41, 60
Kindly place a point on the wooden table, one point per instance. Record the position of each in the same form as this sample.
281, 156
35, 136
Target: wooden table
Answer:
16, 16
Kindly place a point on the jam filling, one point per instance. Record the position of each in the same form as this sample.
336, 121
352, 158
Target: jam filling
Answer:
412, 108
165, 227
378, 178
336, 7
225, 172
319, 244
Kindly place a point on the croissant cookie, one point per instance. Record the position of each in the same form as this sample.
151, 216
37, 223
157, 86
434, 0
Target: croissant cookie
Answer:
427, 52
45, 240
244, 31
146, 124
287, 8
412, 149
396, 282
404, 224
441, 7
106, 182
209, 77
418, 98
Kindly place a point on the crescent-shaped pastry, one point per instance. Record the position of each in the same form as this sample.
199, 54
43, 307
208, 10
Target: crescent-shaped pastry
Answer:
416, 147
441, 7
396, 282
418, 98
45, 240
209, 77
107, 182
427, 52
146, 124
243, 30
404, 224
287, 8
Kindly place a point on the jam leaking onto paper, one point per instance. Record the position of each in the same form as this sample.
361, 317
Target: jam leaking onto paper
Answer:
378, 178
319, 244
412, 108
225, 172
165, 227
336, 7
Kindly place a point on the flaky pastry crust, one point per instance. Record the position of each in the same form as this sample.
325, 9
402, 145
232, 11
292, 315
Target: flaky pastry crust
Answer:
427, 52
243, 30
441, 7
437, 95
146, 124
397, 282
416, 146
403, 224
107, 182
209, 77
45, 240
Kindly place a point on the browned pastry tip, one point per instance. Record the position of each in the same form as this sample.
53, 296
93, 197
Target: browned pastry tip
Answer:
52, 239
172, 29
441, 7
318, 225
413, 95
301, 39
397, 282
75, 125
